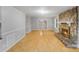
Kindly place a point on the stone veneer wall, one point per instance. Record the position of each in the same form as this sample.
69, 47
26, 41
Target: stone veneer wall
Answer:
78, 28
70, 16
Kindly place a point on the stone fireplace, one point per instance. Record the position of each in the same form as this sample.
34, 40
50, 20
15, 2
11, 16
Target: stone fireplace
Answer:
68, 31
67, 26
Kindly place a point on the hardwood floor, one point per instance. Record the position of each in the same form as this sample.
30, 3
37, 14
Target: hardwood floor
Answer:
40, 41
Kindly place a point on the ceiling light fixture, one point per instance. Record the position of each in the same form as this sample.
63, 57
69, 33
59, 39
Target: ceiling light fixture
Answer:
42, 11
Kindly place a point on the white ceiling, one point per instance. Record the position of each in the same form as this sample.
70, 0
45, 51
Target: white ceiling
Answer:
53, 10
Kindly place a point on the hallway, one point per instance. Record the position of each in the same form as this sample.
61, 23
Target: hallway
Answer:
39, 41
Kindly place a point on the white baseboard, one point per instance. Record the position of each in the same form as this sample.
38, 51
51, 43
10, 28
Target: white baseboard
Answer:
6, 49
14, 43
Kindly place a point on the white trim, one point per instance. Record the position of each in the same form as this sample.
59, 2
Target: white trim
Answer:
6, 49
13, 31
14, 43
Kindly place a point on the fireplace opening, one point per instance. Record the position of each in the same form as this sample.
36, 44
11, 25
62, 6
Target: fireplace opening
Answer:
65, 32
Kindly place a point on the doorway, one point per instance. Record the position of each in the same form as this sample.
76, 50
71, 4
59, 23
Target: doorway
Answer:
43, 24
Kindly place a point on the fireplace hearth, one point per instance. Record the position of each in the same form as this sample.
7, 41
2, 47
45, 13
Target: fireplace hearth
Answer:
67, 34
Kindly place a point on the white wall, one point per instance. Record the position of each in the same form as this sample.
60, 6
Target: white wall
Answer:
56, 26
50, 23
0, 21
35, 24
12, 19
28, 24
0, 13
13, 26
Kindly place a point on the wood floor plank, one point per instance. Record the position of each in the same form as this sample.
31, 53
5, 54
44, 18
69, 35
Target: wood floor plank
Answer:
41, 41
